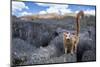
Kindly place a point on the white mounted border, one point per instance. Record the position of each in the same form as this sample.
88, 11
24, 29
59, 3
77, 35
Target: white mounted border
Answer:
85, 2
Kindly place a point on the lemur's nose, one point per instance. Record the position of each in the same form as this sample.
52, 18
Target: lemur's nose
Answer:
68, 39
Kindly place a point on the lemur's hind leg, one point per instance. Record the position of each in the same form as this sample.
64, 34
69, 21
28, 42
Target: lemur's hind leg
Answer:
75, 46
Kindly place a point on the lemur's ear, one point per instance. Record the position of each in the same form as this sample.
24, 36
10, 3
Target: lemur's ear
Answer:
64, 33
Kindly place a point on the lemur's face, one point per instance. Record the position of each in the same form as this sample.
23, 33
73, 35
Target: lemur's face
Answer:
67, 35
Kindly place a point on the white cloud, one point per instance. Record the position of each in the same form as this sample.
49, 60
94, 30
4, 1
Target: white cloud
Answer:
43, 4
51, 5
25, 13
77, 11
52, 10
55, 8
59, 9
66, 11
91, 12
18, 6
42, 12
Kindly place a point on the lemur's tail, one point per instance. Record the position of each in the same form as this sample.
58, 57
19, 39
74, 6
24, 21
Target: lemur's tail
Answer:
80, 14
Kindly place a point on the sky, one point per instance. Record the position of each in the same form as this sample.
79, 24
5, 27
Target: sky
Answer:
33, 8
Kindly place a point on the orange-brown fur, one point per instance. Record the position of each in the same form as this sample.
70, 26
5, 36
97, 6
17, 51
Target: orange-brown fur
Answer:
71, 40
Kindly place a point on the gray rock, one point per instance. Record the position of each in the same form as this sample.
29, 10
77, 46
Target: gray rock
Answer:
89, 56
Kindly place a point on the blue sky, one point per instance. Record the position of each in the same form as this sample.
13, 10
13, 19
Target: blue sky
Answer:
30, 8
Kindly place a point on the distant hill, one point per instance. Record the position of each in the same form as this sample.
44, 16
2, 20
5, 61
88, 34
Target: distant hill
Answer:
47, 16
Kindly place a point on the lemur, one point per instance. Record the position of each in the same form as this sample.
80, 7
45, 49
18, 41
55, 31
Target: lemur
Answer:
71, 40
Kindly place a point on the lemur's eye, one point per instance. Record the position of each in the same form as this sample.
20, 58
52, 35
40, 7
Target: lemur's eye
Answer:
67, 32
73, 33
